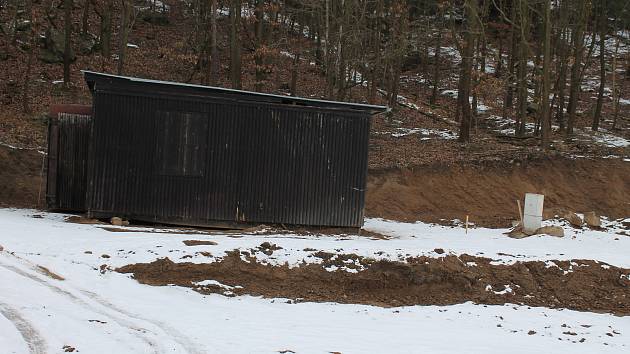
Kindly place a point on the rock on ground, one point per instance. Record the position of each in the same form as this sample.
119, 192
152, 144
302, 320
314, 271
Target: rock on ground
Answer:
573, 219
591, 219
556, 231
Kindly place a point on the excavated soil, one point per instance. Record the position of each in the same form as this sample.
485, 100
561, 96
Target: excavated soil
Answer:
580, 284
20, 178
488, 193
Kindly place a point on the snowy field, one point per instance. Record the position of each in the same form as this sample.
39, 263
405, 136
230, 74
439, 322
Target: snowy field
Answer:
108, 312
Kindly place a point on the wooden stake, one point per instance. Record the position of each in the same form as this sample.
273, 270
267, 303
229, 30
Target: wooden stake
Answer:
520, 213
466, 224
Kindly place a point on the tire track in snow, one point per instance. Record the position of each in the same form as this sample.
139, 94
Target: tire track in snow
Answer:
35, 342
181, 339
166, 331
137, 331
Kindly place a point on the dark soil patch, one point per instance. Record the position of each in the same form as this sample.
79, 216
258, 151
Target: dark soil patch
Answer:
20, 178
419, 281
199, 243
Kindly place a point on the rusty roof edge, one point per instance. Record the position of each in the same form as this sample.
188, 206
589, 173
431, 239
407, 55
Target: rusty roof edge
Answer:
91, 77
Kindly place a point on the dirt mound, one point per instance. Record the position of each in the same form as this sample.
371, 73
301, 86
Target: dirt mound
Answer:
580, 285
20, 177
488, 193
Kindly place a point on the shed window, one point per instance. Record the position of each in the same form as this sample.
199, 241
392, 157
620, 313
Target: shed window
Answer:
182, 143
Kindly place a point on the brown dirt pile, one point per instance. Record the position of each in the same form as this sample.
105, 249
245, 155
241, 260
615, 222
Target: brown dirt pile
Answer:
20, 177
421, 281
488, 193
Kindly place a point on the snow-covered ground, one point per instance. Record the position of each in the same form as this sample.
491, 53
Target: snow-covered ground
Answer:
106, 312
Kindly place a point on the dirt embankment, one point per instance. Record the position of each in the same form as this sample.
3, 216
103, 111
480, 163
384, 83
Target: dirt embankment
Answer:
488, 193
20, 177
580, 284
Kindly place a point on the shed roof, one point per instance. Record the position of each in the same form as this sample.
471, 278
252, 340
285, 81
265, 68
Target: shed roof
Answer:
93, 78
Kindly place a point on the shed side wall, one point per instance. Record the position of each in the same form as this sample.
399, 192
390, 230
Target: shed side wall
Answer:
263, 163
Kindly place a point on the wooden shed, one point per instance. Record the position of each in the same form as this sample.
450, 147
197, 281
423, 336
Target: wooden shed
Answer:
197, 155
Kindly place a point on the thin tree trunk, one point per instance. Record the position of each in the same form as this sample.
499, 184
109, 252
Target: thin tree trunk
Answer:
615, 90
509, 90
544, 109
26, 98
436, 67
294, 73
214, 55
85, 17
235, 44
466, 70
562, 80
124, 34
602, 64
106, 28
499, 68
259, 50
574, 90
521, 116
67, 9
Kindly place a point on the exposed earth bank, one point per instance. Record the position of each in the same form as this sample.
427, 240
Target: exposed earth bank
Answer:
487, 192
580, 284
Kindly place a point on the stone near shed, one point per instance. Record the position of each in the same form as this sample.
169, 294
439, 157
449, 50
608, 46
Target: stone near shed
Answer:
593, 220
517, 233
556, 231
116, 221
573, 219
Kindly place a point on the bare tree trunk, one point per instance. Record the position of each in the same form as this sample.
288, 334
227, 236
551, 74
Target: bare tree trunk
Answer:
521, 117
326, 34
602, 64
341, 64
436, 67
562, 79
214, 55
259, 50
509, 90
85, 17
235, 44
498, 70
26, 99
615, 90
470, 8
544, 109
106, 28
574, 90
124, 33
67, 9
294, 73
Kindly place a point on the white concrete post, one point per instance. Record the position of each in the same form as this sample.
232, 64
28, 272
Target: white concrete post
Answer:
532, 212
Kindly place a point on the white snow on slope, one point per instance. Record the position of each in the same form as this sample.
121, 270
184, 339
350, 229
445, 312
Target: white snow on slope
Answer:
111, 312
425, 134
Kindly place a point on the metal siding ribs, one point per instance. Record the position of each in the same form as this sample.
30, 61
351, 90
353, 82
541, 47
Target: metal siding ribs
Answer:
158, 154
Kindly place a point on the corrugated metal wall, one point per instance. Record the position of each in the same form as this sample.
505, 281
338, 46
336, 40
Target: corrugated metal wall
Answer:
67, 161
261, 163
